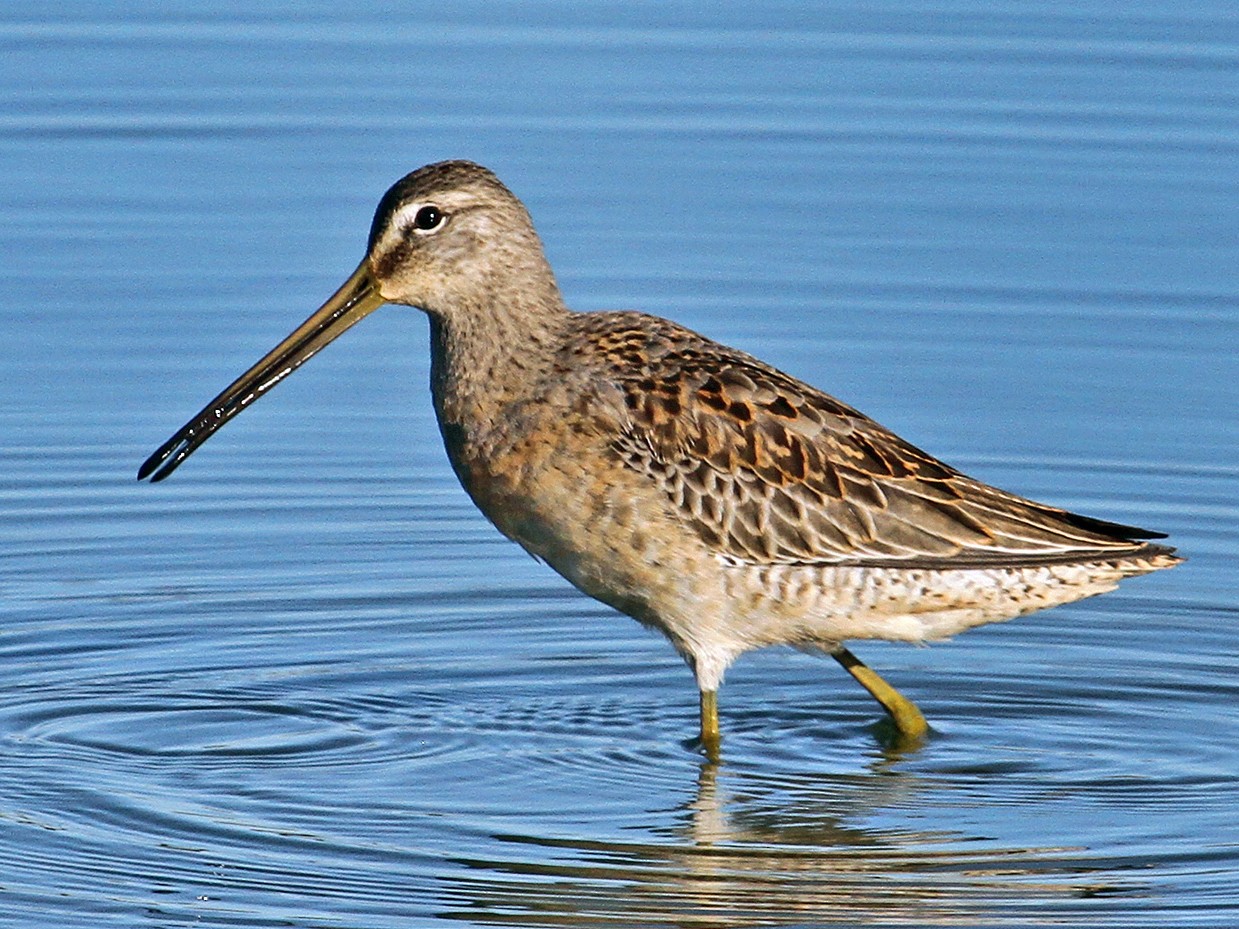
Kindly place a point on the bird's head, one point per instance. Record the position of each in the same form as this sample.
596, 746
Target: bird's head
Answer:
449, 238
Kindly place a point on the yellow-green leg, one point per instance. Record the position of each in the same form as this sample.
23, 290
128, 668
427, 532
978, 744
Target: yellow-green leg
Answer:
710, 737
903, 712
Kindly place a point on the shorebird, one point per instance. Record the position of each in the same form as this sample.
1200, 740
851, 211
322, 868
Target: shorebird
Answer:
687, 484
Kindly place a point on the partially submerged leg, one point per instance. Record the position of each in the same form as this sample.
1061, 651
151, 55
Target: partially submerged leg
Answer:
710, 737
903, 712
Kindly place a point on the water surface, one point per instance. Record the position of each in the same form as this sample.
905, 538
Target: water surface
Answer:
304, 683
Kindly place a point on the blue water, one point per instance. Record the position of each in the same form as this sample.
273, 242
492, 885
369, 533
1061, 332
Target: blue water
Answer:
304, 683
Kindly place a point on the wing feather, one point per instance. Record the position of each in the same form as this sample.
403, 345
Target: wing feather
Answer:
769, 470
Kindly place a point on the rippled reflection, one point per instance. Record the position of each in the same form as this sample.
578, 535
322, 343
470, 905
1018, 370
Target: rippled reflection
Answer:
752, 853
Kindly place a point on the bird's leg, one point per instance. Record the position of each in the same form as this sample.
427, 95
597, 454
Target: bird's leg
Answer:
903, 712
710, 737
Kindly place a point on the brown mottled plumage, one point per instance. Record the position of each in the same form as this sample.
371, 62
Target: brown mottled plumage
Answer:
768, 470
686, 483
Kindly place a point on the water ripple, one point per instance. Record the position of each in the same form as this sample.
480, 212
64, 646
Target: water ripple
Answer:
306, 684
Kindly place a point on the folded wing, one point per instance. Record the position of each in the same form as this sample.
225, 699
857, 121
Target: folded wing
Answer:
769, 470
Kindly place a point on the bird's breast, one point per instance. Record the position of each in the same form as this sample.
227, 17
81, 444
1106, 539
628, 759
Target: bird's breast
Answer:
566, 497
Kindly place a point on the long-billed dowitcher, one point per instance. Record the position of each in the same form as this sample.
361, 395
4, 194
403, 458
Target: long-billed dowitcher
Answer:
685, 483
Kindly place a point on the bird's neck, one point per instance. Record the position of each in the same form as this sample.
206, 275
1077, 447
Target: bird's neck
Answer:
484, 362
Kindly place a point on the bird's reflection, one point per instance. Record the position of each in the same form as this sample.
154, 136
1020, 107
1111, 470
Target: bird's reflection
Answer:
748, 850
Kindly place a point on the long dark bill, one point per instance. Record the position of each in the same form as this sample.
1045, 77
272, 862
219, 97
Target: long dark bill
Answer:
357, 298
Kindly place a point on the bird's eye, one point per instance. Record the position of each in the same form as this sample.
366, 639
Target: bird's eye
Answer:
428, 218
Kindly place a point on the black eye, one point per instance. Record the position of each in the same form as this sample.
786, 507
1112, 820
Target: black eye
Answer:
427, 218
